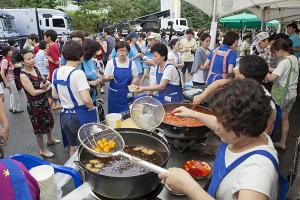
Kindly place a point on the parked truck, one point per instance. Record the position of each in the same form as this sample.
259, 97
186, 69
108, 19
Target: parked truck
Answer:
37, 20
7, 27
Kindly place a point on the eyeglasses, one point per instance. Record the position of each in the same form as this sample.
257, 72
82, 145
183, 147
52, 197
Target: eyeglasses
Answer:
122, 51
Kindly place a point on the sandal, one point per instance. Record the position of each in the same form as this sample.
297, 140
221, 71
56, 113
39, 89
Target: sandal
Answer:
53, 142
47, 154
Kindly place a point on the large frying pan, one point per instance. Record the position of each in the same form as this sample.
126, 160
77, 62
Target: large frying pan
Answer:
199, 129
131, 187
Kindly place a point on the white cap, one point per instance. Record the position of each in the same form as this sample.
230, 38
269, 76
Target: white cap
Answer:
261, 36
155, 36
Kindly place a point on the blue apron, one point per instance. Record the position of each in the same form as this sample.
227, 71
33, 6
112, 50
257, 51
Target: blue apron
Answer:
220, 170
119, 96
84, 115
172, 93
18, 180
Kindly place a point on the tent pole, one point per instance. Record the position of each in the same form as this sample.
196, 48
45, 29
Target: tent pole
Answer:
263, 19
214, 26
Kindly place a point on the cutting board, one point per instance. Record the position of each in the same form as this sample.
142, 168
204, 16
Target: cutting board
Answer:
128, 123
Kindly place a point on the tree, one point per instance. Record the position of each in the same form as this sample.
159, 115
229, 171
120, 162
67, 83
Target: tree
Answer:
196, 18
29, 3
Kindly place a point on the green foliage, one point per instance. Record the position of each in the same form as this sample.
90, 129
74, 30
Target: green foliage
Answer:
29, 3
87, 17
196, 18
112, 11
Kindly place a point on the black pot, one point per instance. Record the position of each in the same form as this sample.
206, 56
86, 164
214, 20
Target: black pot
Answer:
200, 130
127, 187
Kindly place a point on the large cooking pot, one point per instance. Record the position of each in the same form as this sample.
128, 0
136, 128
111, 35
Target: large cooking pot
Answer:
127, 187
203, 130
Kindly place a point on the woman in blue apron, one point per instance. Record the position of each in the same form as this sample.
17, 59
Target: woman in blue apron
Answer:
72, 88
246, 165
167, 92
120, 72
223, 59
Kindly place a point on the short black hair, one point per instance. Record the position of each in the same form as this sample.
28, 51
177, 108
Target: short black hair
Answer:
72, 51
247, 36
161, 49
90, 48
204, 35
253, 66
173, 42
107, 30
20, 56
42, 45
293, 25
282, 44
122, 44
230, 37
189, 31
5, 49
33, 37
242, 106
78, 34
52, 34
11, 41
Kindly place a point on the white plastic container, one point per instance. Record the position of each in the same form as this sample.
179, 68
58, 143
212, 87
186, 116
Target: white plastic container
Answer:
114, 120
44, 174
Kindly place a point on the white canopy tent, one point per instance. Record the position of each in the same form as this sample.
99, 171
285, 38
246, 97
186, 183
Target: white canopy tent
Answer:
266, 10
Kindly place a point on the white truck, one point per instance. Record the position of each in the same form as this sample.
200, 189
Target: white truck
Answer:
7, 27
38, 20
179, 24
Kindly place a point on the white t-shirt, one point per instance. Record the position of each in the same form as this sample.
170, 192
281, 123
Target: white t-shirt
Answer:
78, 82
174, 58
282, 71
171, 73
256, 173
109, 69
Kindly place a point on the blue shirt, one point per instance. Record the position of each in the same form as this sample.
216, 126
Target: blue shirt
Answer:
63, 61
41, 62
296, 43
149, 56
138, 63
90, 70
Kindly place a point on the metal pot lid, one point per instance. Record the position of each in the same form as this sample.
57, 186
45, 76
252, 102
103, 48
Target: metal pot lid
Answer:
147, 113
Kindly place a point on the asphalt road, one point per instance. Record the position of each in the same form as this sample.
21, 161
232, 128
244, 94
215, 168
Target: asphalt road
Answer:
22, 139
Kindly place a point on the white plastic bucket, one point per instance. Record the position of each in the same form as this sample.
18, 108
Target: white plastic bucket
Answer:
44, 174
114, 120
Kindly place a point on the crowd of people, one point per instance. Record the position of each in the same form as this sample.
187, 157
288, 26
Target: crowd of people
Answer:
250, 94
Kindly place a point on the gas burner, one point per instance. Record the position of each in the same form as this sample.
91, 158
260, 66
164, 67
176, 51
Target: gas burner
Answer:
152, 196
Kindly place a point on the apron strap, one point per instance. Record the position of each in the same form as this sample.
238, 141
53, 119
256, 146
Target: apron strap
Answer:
225, 61
214, 57
18, 180
284, 186
65, 83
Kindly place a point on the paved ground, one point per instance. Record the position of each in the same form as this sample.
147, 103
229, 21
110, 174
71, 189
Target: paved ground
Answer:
22, 140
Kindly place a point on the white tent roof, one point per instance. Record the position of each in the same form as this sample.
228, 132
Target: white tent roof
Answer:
283, 10
274, 9
226, 7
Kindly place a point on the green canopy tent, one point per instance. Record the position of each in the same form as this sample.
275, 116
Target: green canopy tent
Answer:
273, 23
243, 20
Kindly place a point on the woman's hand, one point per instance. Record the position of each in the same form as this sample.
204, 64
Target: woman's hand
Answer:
198, 99
150, 93
183, 112
178, 180
48, 88
3, 136
140, 89
94, 83
43, 86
